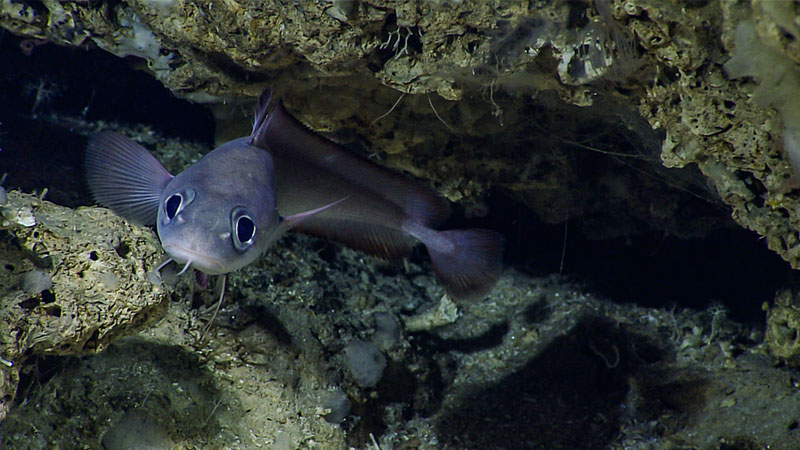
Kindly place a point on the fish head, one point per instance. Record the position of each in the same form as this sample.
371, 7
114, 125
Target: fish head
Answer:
219, 215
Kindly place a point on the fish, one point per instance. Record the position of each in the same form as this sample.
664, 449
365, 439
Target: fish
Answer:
216, 216
224, 211
386, 213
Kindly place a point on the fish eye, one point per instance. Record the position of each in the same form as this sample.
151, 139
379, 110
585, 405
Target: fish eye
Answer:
176, 202
172, 205
244, 228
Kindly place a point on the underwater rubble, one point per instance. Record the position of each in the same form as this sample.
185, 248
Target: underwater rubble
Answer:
538, 361
586, 131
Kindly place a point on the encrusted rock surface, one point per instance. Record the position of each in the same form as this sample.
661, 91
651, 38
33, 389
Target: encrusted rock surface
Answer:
572, 109
541, 100
99, 288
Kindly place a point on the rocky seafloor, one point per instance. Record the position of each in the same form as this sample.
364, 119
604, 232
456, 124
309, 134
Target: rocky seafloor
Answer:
634, 310
541, 362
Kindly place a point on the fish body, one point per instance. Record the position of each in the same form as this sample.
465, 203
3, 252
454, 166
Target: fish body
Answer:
386, 213
225, 210
219, 214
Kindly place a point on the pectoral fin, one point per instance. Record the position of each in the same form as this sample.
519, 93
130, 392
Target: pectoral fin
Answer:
294, 219
125, 177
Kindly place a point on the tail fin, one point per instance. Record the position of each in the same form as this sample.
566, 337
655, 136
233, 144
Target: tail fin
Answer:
468, 262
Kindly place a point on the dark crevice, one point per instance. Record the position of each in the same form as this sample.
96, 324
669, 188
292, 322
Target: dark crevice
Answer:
430, 342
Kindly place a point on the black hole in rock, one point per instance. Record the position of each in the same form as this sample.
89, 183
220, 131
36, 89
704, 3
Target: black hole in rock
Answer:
48, 296
29, 303
196, 301
537, 312
122, 249
369, 423
794, 425
93, 256
93, 341
9, 267
53, 310
414, 41
491, 338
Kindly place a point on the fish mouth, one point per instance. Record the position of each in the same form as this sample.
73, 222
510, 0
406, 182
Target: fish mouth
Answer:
200, 261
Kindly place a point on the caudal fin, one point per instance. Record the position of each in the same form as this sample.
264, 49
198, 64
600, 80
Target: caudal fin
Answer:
468, 262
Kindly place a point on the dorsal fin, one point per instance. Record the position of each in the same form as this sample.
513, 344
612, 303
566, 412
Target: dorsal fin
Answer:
260, 117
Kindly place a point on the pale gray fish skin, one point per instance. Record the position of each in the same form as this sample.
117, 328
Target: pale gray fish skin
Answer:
233, 182
219, 214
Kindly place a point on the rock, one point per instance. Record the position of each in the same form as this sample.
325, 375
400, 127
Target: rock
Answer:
365, 362
76, 310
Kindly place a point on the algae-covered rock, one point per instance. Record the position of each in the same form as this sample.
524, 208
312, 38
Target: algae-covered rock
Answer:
140, 391
783, 328
538, 100
97, 289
